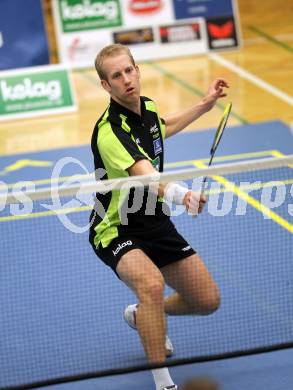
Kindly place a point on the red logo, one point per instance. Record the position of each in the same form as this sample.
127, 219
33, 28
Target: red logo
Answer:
220, 32
145, 6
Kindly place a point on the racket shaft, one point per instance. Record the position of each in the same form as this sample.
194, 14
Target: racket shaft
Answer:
203, 184
217, 139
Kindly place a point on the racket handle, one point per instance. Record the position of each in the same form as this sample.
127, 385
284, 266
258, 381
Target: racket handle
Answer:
203, 185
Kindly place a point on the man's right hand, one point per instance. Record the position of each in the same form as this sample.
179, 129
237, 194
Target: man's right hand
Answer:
194, 202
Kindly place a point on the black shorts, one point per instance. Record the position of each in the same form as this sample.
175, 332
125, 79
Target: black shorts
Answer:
166, 247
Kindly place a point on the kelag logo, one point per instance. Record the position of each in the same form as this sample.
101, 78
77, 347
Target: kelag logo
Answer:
221, 33
26, 89
34, 91
145, 6
79, 15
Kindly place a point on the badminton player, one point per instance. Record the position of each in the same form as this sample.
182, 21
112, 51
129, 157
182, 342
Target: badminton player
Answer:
144, 249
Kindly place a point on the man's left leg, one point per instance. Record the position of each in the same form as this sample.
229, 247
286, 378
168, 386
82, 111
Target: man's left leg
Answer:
196, 291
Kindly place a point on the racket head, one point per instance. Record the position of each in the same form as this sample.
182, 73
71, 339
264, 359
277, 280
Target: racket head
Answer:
221, 127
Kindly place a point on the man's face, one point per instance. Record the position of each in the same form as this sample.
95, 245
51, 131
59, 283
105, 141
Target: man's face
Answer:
122, 79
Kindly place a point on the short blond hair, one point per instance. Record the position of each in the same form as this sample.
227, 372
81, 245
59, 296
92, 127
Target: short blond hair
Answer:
110, 51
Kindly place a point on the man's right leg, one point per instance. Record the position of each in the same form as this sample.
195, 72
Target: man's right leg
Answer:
139, 273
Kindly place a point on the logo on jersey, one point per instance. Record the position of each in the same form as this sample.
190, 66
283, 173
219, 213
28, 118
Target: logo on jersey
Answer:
156, 163
157, 146
155, 131
121, 246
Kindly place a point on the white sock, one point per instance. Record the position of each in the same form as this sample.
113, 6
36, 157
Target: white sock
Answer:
162, 378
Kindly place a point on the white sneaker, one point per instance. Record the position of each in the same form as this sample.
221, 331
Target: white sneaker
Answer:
130, 318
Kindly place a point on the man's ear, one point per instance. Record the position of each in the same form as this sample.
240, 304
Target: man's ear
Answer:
106, 85
137, 69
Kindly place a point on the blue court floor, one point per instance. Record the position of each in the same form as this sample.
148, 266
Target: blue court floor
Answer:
62, 308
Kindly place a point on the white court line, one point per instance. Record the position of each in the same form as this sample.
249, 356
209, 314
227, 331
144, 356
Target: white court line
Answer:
252, 78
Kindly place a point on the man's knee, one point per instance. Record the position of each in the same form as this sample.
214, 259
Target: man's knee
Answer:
152, 291
207, 304
213, 302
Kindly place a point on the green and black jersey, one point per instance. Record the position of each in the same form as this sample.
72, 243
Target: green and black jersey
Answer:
120, 138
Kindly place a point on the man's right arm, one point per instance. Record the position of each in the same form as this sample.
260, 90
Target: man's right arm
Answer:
172, 192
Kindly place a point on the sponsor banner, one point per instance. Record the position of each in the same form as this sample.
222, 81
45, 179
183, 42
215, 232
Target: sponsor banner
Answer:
35, 91
202, 8
23, 40
150, 27
222, 33
83, 27
169, 41
80, 50
141, 12
80, 15
136, 36
180, 33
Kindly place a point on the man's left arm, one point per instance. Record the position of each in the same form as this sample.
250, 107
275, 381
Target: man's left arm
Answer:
178, 121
